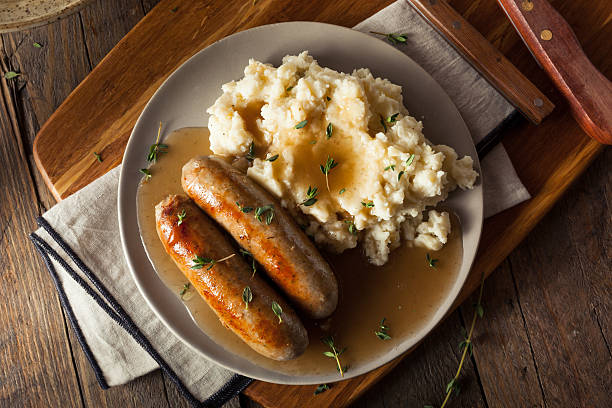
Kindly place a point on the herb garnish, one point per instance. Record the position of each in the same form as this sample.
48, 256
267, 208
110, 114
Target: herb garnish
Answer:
289, 88
250, 156
247, 296
342, 191
199, 262
156, 148
368, 204
430, 261
390, 167
321, 388
272, 158
244, 209
186, 293
334, 353
98, 156
394, 38
328, 98
392, 118
399, 175
37, 45
382, 122
244, 252
311, 195
329, 164
147, 174
11, 74
278, 311
410, 160
381, 333
329, 130
351, 227
181, 216
301, 124
259, 211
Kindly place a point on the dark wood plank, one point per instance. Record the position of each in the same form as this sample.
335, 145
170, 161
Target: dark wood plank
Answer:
48, 75
566, 295
501, 345
36, 367
105, 22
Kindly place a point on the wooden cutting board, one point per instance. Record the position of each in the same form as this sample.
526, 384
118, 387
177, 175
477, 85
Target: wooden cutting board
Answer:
100, 113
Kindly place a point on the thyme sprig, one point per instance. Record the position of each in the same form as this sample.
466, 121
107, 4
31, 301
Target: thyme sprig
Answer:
334, 353
181, 216
146, 173
199, 262
329, 130
311, 195
157, 148
260, 211
330, 163
250, 156
393, 38
381, 333
430, 261
246, 253
244, 209
466, 345
301, 124
321, 388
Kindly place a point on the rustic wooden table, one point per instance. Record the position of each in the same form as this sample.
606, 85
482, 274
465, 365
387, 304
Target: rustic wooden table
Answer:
545, 338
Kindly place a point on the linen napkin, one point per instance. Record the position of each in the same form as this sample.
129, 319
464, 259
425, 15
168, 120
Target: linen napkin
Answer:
123, 339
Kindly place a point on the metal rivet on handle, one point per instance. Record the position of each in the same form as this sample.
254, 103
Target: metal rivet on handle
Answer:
546, 35
538, 102
527, 5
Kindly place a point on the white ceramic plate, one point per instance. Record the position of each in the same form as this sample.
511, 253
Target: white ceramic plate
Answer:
181, 101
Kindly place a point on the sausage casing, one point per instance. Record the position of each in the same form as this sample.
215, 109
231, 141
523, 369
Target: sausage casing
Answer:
280, 246
221, 284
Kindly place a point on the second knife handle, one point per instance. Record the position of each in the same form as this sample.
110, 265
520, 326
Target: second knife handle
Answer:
553, 43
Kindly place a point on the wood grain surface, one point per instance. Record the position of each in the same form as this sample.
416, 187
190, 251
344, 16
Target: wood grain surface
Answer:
546, 307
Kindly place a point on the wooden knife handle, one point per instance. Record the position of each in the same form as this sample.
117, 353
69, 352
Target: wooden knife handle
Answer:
553, 43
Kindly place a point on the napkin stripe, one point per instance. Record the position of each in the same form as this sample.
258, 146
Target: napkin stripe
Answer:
70, 313
234, 386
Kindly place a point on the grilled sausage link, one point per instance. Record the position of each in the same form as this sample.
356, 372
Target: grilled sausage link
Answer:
221, 284
277, 243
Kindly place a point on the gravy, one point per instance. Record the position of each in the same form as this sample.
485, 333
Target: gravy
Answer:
406, 290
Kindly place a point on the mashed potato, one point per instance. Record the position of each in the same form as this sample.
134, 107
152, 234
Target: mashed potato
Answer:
382, 173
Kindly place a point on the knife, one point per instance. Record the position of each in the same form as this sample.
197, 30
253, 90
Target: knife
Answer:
491, 64
555, 46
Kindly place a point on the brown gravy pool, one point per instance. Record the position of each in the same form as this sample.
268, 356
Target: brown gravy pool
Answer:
406, 291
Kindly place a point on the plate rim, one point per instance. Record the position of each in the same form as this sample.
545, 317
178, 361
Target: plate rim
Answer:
437, 317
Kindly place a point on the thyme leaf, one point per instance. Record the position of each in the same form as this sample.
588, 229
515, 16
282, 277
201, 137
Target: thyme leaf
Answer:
278, 311
335, 353
250, 156
311, 195
98, 156
381, 333
329, 131
430, 261
247, 296
147, 174
181, 216
272, 158
321, 388
244, 209
260, 211
301, 124
369, 204
393, 38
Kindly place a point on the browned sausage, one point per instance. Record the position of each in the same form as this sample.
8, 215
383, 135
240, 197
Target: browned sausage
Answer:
222, 285
277, 243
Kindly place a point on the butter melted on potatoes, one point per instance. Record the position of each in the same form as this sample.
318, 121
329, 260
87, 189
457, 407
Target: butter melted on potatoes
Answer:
386, 174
